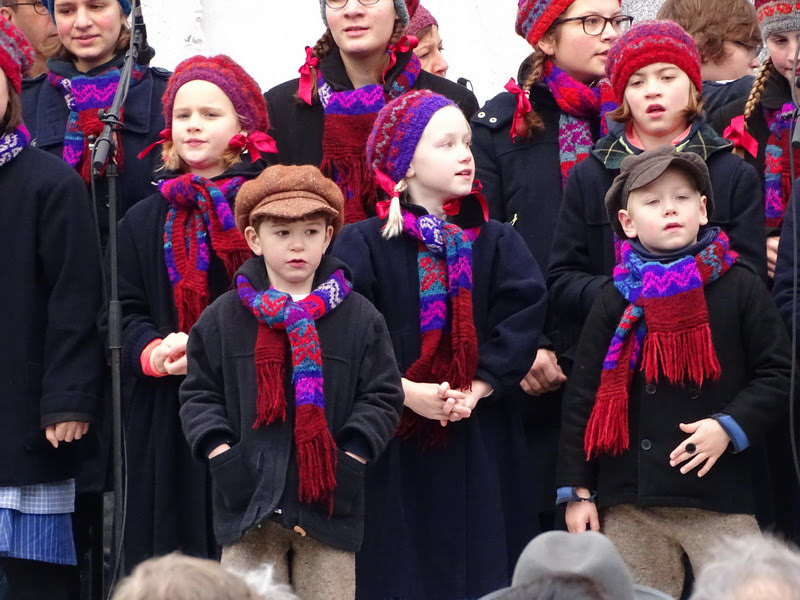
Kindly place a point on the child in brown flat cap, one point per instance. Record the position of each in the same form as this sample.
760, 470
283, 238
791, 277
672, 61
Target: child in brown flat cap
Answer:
682, 366
292, 389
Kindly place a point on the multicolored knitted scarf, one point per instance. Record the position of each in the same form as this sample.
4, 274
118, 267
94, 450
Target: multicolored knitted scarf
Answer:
777, 172
86, 96
578, 103
349, 116
667, 323
11, 144
277, 313
199, 212
449, 349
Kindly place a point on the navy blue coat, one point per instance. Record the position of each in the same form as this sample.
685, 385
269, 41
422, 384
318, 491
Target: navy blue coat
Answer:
169, 505
583, 246
449, 523
53, 366
45, 113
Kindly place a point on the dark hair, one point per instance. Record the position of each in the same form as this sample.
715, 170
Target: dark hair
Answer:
13, 116
557, 587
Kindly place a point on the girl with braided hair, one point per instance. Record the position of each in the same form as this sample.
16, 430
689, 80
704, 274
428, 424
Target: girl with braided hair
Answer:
759, 126
360, 63
179, 249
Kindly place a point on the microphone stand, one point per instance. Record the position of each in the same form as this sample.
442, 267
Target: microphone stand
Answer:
104, 155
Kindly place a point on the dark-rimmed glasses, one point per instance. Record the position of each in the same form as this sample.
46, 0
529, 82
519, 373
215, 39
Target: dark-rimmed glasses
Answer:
39, 6
596, 24
339, 4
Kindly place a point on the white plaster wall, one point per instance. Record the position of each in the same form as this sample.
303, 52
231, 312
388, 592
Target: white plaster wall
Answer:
268, 36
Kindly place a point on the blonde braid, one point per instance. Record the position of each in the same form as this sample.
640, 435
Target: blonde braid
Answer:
394, 222
759, 84
533, 122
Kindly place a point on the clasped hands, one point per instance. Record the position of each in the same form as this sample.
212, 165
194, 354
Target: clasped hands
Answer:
440, 402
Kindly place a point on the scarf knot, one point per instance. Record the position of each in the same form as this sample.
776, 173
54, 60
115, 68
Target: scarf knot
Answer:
282, 322
666, 324
199, 219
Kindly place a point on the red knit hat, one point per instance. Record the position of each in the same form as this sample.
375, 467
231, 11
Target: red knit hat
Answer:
651, 42
16, 54
231, 78
534, 17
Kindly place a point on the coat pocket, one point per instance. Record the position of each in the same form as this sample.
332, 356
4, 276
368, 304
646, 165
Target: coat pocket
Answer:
349, 484
232, 477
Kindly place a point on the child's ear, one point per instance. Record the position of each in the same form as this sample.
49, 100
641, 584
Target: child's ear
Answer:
409, 172
627, 223
547, 44
328, 238
251, 236
703, 210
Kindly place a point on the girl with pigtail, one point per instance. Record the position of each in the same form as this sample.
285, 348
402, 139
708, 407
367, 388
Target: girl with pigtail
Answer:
760, 125
360, 63
464, 303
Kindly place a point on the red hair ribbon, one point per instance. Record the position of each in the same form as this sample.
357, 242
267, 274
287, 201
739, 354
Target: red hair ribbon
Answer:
453, 207
255, 142
387, 185
403, 45
523, 108
306, 81
165, 135
737, 133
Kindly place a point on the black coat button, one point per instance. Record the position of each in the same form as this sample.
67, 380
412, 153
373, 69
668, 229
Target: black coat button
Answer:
646, 444
694, 394
650, 388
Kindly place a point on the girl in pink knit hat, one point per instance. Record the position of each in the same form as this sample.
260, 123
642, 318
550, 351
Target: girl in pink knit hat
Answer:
179, 249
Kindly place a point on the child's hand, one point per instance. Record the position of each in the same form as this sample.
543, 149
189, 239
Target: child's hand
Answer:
433, 400
480, 389
170, 355
363, 461
772, 254
579, 515
708, 440
65, 432
218, 450
544, 376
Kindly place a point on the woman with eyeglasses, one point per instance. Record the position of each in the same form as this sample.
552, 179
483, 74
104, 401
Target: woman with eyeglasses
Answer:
360, 63
61, 110
33, 20
526, 141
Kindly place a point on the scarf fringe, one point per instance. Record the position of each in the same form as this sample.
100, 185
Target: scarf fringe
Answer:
190, 302
607, 429
316, 455
361, 188
270, 357
681, 355
464, 348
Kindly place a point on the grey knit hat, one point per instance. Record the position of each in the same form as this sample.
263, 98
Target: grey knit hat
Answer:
775, 16
405, 10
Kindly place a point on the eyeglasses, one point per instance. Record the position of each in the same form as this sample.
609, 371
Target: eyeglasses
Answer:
39, 7
596, 24
339, 4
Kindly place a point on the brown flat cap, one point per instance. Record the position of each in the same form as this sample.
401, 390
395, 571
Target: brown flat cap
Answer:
289, 192
636, 171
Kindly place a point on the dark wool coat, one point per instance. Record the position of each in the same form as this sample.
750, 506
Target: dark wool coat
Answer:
783, 284
169, 504
298, 127
45, 113
363, 401
717, 95
583, 245
449, 523
753, 350
53, 366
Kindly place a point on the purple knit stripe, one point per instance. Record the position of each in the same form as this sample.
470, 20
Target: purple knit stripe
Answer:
367, 100
11, 144
308, 389
221, 205
664, 280
536, 10
169, 252
203, 250
95, 92
432, 312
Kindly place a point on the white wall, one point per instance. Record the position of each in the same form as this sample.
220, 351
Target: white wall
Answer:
268, 36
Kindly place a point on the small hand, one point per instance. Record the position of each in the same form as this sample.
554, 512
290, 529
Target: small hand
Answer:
218, 450
67, 431
170, 355
363, 461
579, 515
708, 440
478, 390
431, 400
545, 375
772, 254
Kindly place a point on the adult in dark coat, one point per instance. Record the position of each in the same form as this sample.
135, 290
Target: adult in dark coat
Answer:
583, 256
363, 401
436, 525
169, 504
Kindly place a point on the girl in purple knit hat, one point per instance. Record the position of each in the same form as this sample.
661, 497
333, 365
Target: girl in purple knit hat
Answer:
464, 302
361, 62
179, 249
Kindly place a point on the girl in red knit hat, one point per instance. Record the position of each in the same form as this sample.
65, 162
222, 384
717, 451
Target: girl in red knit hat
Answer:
361, 62
448, 505
179, 249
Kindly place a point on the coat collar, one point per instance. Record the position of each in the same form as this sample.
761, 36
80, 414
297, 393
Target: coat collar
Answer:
256, 271
702, 140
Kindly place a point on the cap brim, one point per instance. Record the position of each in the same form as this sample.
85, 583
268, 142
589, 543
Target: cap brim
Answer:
658, 168
292, 209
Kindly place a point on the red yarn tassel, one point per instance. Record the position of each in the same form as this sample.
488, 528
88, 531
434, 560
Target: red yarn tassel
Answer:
190, 302
270, 357
464, 344
316, 455
681, 356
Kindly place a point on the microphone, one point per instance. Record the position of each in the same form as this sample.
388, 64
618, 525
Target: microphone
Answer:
146, 52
